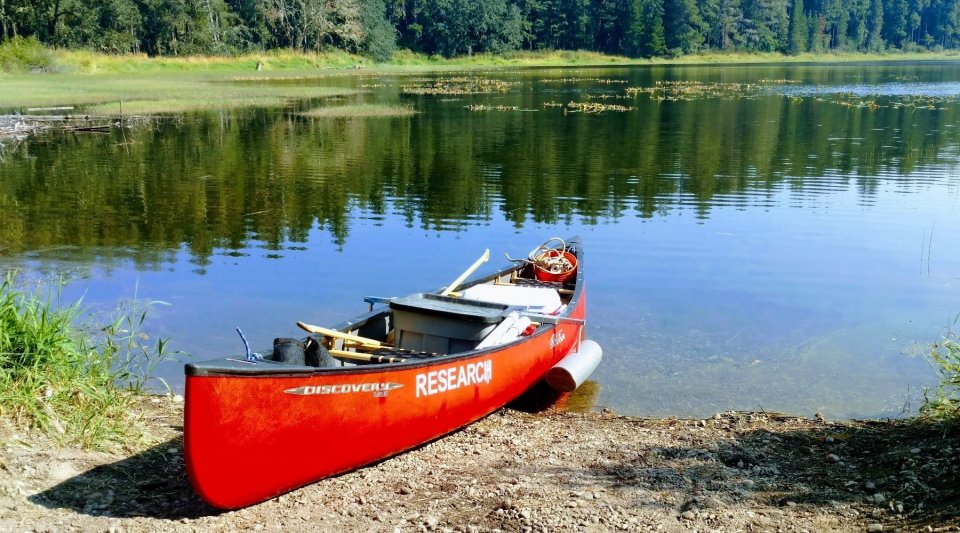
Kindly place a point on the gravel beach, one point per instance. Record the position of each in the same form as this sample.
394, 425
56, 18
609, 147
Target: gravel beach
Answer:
525, 471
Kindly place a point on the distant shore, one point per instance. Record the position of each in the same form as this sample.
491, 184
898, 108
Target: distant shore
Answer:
116, 87
519, 471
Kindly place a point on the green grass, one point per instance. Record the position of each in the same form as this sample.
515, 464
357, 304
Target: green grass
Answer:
25, 55
86, 62
943, 402
150, 93
64, 375
360, 110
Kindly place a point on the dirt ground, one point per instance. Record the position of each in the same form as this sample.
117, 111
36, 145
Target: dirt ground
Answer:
527, 471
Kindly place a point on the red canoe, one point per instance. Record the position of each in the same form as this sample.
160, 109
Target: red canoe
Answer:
254, 429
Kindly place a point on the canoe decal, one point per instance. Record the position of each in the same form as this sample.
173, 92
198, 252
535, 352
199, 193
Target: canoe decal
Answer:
557, 338
378, 389
437, 381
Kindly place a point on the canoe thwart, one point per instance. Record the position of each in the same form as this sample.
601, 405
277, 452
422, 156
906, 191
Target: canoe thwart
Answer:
550, 319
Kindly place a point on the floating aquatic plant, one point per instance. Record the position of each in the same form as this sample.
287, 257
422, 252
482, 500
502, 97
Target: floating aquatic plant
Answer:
584, 80
460, 85
481, 107
593, 107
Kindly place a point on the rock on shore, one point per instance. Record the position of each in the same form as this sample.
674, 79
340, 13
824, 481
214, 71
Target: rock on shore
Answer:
516, 471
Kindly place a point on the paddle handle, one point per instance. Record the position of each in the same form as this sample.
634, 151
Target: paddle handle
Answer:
476, 264
338, 334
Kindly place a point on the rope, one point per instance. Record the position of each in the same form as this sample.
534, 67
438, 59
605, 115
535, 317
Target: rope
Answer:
551, 259
251, 356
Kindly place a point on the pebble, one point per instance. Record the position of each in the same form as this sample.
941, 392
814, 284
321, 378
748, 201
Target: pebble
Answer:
879, 499
870, 485
62, 471
833, 458
688, 515
711, 503
875, 528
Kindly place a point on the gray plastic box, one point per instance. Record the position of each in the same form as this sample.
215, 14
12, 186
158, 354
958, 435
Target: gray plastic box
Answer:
441, 324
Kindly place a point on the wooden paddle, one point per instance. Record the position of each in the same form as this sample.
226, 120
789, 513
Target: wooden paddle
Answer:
373, 358
456, 283
340, 335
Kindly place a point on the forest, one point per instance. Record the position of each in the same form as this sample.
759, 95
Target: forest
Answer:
376, 28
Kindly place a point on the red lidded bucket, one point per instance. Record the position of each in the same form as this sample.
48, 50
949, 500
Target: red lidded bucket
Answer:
563, 269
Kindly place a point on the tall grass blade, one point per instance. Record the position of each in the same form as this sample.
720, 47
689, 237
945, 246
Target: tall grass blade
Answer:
64, 375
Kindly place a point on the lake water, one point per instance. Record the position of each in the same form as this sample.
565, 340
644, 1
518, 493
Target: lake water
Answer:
758, 237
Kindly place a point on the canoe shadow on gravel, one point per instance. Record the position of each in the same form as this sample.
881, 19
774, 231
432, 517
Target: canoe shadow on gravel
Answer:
150, 484
902, 473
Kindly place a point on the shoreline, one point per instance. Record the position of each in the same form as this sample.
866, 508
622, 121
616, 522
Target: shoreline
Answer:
526, 471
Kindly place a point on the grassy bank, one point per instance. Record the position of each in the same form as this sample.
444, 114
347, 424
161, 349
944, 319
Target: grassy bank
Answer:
66, 375
85, 62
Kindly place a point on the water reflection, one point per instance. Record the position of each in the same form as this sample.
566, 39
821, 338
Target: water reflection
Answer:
221, 180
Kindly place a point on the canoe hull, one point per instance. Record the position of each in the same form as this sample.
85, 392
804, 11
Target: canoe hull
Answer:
248, 438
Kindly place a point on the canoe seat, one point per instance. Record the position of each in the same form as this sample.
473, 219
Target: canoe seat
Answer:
533, 299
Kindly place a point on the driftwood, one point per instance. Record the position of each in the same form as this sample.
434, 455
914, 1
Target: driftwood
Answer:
60, 108
21, 126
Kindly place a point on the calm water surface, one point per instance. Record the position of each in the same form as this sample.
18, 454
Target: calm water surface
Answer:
782, 238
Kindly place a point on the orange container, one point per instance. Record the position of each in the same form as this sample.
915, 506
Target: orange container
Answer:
546, 275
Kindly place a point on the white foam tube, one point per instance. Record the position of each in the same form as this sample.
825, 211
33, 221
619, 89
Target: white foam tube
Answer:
575, 368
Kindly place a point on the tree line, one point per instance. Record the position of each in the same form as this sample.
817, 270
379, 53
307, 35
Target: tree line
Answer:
375, 28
